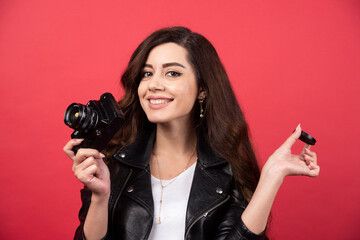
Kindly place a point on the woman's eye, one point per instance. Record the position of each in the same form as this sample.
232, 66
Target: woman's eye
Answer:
146, 74
173, 74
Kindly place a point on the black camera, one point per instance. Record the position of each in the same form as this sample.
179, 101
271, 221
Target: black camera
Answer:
96, 122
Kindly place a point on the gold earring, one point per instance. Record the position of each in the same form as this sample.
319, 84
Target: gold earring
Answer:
201, 108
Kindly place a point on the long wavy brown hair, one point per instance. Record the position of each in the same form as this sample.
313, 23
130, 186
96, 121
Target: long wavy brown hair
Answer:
223, 125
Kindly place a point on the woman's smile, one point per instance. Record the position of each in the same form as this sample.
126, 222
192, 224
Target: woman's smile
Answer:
159, 102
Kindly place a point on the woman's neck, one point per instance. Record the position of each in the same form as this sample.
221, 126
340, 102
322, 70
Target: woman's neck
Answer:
174, 140
174, 150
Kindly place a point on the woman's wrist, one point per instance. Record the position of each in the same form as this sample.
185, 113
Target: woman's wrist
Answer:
269, 183
272, 173
100, 198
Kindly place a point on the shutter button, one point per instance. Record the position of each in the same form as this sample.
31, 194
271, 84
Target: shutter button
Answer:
130, 189
122, 155
219, 190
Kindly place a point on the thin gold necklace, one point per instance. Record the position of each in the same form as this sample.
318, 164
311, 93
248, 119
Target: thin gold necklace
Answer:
164, 186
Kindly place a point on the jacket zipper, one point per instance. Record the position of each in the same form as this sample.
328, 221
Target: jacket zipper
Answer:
204, 214
118, 196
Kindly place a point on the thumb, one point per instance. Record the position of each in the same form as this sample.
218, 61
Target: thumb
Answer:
293, 137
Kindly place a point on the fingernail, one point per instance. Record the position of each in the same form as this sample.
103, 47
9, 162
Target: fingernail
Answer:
298, 126
79, 139
102, 155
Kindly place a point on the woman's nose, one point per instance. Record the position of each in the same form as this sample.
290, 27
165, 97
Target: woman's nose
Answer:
156, 83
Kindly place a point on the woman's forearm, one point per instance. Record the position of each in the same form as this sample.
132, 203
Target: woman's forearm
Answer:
257, 212
96, 222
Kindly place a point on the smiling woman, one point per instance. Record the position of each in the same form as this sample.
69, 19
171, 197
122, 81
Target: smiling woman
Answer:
168, 89
182, 166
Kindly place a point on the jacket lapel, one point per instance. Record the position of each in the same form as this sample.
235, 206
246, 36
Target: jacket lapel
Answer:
136, 156
211, 183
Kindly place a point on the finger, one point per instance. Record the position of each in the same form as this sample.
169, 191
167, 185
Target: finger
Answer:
84, 164
84, 153
293, 137
91, 170
314, 170
87, 174
311, 156
306, 146
70, 145
310, 153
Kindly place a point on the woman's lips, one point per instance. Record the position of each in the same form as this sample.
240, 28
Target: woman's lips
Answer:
157, 103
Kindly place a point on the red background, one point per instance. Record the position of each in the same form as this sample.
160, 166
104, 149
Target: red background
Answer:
290, 62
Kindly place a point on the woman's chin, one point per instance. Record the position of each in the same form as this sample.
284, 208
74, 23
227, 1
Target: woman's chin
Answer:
157, 119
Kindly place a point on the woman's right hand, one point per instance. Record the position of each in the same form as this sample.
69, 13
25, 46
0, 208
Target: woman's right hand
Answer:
89, 168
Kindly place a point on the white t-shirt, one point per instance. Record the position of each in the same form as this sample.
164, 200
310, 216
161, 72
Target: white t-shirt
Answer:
174, 205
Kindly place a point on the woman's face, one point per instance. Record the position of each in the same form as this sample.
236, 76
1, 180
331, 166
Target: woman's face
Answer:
168, 89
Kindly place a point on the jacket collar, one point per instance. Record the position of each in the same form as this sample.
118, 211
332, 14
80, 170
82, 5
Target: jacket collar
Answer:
137, 154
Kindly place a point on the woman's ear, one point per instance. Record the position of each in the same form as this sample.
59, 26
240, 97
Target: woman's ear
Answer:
202, 94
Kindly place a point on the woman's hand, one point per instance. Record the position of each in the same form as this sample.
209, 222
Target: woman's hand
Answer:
279, 165
283, 163
89, 168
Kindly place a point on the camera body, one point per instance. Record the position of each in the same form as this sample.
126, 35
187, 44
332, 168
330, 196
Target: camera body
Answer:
96, 122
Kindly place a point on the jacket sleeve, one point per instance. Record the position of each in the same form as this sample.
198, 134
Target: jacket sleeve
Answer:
239, 231
232, 227
86, 200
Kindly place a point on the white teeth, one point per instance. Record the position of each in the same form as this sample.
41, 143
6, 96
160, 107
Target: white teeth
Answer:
158, 101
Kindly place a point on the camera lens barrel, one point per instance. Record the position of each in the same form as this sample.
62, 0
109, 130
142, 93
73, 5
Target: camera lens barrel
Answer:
80, 117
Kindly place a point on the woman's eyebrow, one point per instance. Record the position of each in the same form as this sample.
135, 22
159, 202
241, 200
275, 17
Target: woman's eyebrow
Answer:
165, 65
148, 65
173, 64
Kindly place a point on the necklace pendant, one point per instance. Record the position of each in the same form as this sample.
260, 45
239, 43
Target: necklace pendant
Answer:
171, 181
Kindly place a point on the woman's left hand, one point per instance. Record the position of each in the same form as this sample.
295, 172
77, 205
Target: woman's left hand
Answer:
283, 163
280, 164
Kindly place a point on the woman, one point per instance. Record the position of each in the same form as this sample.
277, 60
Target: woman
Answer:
182, 165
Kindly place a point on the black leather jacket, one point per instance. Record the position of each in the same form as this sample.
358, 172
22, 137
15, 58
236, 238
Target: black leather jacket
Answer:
214, 207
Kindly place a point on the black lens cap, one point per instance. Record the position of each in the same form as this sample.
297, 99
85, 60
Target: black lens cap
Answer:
306, 138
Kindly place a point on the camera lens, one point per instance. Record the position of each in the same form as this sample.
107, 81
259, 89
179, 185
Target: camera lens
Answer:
80, 117
74, 116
